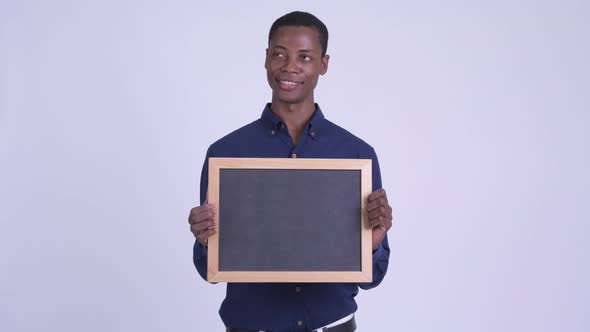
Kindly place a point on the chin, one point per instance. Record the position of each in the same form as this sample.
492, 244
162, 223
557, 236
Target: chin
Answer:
289, 99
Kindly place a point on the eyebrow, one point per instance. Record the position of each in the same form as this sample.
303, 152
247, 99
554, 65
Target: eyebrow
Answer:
284, 48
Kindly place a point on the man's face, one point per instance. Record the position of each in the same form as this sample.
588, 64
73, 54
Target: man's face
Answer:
294, 63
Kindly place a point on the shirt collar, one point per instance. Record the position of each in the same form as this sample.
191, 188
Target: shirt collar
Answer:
272, 123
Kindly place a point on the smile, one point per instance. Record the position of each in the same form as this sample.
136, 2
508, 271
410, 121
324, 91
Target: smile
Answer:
288, 85
289, 82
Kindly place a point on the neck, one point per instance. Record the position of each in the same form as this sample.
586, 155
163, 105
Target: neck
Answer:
295, 116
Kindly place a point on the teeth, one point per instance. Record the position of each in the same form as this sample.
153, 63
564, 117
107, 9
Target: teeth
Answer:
288, 82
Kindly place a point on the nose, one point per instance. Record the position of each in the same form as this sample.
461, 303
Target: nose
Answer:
291, 65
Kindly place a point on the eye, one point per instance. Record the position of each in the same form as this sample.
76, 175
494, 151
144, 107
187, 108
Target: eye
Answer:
305, 58
278, 55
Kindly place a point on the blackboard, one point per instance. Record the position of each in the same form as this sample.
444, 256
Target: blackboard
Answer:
290, 220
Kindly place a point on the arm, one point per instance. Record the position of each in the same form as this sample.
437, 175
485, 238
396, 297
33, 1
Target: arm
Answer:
380, 264
202, 223
380, 218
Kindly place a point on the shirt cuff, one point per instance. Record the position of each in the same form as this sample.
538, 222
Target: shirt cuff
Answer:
377, 253
201, 250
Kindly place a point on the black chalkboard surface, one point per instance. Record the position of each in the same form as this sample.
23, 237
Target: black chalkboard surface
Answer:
290, 220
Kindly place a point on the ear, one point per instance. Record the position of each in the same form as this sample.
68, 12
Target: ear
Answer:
266, 59
324, 64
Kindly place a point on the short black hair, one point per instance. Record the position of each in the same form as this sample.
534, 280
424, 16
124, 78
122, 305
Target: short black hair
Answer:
302, 19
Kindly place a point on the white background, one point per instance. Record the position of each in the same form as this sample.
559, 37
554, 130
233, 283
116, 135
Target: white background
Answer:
478, 110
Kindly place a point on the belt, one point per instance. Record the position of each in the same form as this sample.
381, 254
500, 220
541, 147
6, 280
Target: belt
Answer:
348, 326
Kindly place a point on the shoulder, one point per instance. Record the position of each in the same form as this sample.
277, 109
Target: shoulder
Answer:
336, 133
235, 139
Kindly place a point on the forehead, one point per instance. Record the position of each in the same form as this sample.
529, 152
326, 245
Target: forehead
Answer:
297, 38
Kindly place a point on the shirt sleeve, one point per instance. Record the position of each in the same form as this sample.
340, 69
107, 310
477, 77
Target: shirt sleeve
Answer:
381, 255
199, 250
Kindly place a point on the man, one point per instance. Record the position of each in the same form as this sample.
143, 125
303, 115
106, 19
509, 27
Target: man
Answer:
293, 126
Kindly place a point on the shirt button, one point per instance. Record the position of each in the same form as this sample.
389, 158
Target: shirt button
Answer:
312, 134
294, 155
298, 289
299, 323
272, 132
282, 126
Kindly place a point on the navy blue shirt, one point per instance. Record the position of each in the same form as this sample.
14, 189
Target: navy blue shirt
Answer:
281, 306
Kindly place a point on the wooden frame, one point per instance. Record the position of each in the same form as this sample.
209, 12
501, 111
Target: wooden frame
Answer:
363, 165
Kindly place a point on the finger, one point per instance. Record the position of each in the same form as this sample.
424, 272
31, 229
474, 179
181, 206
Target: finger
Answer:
380, 211
201, 208
205, 235
376, 194
202, 226
385, 221
208, 214
373, 222
389, 223
381, 216
386, 225
194, 212
381, 201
